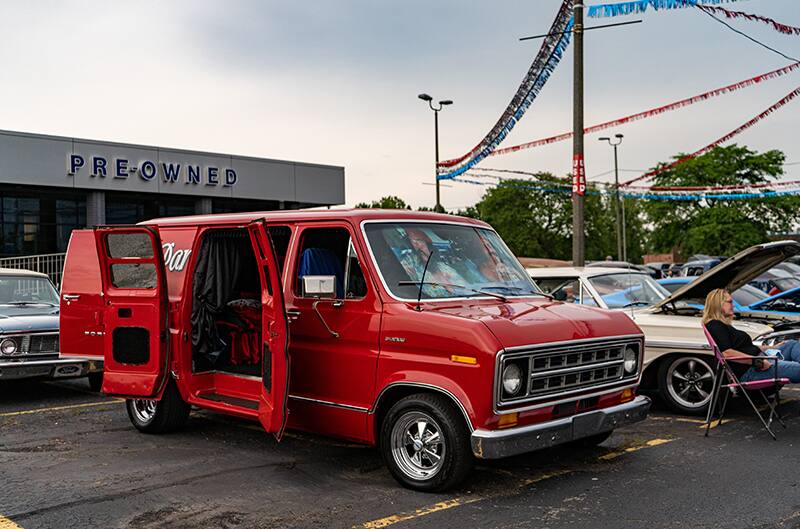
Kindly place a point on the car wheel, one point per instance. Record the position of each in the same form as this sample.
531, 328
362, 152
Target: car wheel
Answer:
686, 383
95, 381
425, 443
159, 416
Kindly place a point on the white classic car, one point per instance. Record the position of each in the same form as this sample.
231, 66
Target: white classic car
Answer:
678, 361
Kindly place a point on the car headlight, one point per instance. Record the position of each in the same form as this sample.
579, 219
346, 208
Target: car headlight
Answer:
8, 346
631, 360
512, 379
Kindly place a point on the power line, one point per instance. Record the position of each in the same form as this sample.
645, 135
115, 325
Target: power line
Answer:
745, 35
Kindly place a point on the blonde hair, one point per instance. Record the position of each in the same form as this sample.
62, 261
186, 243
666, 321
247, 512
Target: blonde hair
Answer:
713, 309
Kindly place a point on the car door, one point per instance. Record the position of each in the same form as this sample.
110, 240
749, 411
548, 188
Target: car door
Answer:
135, 337
272, 405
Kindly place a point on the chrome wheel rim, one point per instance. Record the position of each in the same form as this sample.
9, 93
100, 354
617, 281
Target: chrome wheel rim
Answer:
418, 445
143, 410
690, 382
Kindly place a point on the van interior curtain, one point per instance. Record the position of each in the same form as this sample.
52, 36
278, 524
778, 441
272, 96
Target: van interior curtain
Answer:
225, 269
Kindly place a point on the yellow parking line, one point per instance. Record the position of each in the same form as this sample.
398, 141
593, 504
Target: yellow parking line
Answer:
649, 444
458, 502
436, 507
59, 408
5, 523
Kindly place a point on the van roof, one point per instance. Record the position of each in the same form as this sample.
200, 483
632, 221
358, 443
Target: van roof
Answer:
354, 215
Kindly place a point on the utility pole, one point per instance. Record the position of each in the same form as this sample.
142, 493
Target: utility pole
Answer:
578, 166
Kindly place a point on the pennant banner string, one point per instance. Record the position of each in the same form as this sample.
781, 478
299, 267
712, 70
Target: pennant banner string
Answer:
545, 62
777, 26
736, 132
649, 196
640, 6
647, 113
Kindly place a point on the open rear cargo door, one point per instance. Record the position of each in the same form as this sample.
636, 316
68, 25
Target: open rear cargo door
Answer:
136, 339
272, 405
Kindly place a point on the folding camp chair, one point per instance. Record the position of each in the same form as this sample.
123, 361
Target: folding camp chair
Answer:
734, 385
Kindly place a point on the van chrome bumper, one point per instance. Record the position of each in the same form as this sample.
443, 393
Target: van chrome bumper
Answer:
494, 444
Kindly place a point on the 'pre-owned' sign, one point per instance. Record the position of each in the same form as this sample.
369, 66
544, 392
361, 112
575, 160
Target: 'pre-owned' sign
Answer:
148, 170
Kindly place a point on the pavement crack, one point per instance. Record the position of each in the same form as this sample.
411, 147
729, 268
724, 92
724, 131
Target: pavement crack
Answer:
143, 490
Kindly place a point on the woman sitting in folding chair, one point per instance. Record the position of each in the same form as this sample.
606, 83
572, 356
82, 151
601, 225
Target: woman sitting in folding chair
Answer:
717, 317
740, 361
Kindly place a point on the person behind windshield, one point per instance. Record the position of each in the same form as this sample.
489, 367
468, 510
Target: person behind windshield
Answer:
718, 316
414, 262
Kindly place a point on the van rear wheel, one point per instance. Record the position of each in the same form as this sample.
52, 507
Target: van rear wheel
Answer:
425, 443
159, 416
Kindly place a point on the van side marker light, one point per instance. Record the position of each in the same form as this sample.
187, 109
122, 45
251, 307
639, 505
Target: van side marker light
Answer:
471, 360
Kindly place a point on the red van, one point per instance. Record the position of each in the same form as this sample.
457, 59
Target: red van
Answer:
417, 332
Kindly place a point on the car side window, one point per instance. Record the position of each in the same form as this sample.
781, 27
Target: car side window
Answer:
330, 252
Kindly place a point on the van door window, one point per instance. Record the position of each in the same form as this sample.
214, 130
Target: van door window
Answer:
280, 235
330, 252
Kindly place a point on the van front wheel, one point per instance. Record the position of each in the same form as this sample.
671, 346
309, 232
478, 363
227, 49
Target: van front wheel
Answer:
425, 443
159, 416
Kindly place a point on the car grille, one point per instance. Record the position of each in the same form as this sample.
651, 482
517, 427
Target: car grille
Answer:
566, 369
33, 344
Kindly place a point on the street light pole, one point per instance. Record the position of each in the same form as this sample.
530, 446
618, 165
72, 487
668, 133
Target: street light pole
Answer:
578, 166
425, 97
622, 247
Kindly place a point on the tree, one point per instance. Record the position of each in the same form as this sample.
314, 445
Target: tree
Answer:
535, 219
388, 202
720, 226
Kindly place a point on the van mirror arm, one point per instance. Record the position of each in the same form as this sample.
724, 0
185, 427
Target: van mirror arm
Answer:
336, 303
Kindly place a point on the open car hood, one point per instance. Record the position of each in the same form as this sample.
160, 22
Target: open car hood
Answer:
734, 272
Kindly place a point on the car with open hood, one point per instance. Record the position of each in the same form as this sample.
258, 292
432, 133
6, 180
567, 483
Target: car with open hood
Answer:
678, 361
749, 299
29, 331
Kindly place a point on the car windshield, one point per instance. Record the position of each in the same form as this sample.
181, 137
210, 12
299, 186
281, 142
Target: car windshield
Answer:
748, 294
628, 289
463, 261
20, 290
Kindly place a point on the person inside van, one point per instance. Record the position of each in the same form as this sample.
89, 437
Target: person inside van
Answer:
718, 319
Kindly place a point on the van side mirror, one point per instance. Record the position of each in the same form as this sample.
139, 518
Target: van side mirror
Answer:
319, 286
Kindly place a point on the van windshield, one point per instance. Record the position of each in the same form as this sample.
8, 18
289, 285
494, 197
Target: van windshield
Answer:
465, 261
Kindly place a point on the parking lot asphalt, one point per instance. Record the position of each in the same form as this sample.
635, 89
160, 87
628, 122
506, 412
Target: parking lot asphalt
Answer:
70, 458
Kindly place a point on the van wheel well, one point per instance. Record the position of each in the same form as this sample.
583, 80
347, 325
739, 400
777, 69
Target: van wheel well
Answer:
399, 391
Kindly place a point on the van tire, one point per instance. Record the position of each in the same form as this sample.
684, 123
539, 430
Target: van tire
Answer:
95, 381
409, 463
159, 416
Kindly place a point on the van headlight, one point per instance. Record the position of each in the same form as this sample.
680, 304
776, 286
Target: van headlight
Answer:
8, 347
631, 360
512, 379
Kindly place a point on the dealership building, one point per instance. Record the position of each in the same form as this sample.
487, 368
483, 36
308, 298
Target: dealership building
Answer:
50, 185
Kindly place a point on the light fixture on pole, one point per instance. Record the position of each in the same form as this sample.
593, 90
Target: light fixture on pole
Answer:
436, 108
619, 206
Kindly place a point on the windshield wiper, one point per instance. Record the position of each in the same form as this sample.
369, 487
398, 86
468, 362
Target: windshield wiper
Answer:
518, 289
434, 283
636, 304
24, 303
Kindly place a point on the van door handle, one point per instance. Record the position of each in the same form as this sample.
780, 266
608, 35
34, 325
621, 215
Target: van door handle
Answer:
70, 297
293, 314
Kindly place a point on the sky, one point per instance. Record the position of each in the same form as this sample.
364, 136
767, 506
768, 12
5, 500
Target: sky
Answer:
337, 82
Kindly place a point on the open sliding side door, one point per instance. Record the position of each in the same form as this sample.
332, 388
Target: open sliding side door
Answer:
136, 335
272, 405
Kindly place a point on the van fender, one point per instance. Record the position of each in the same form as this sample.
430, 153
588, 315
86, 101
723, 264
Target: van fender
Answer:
410, 382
